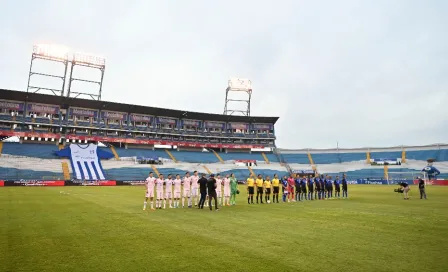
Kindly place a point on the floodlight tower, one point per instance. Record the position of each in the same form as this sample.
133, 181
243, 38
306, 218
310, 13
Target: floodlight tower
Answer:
89, 61
53, 53
241, 86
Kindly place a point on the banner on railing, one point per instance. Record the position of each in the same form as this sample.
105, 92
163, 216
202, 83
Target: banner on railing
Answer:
12, 105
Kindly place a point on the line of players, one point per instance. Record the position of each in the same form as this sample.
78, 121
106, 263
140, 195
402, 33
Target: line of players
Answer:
174, 190
296, 188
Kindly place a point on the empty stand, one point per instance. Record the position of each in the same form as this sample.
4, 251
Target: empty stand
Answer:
44, 151
206, 169
170, 155
65, 170
112, 149
1, 148
195, 157
265, 158
218, 156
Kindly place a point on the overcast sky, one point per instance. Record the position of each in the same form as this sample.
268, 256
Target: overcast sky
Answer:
364, 73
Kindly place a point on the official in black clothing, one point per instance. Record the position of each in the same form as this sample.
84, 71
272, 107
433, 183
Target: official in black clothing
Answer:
211, 187
421, 187
203, 189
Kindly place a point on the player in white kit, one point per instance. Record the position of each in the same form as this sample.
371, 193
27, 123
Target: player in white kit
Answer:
168, 191
150, 182
159, 191
187, 190
177, 190
194, 187
219, 189
226, 183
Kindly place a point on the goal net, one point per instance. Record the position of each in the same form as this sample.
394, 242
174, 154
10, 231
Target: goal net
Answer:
408, 177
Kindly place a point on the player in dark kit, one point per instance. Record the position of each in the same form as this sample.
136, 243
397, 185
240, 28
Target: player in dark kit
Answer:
329, 187
297, 183
322, 187
310, 188
344, 186
317, 187
337, 187
303, 188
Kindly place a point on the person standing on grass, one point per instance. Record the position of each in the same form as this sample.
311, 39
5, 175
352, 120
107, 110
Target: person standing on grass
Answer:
267, 187
275, 187
226, 183
310, 188
150, 182
285, 188
233, 189
337, 187
344, 186
203, 189
322, 187
177, 182
291, 185
298, 188
259, 184
168, 192
211, 188
303, 188
187, 190
421, 187
250, 189
194, 187
317, 187
218, 189
159, 188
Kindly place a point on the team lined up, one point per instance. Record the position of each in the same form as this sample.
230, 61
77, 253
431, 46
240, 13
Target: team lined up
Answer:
175, 191
295, 189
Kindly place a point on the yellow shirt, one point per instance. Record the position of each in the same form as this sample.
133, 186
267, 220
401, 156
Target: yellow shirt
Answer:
259, 182
250, 182
275, 182
267, 184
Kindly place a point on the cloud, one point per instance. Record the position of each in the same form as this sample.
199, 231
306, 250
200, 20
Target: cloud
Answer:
364, 73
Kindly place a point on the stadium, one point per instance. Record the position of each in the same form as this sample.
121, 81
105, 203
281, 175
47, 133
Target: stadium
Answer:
79, 153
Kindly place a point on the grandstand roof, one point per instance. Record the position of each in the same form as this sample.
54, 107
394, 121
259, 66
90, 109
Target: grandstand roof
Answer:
65, 102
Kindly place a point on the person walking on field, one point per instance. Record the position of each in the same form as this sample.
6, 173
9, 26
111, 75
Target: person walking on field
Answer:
203, 189
211, 187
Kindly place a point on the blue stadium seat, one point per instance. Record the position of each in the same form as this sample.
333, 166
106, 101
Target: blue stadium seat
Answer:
17, 174
385, 155
137, 152
44, 151
349, 157
443, 155
195, 156
324, 158
296, 158
241, 156
422, 155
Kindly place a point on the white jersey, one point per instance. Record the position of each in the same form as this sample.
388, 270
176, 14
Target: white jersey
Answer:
177, 185
218, 186
159, 188
187, 184
168, 186
226, 182
150, 182
194, 182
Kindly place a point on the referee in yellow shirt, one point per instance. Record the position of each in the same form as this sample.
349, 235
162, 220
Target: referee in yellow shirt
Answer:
259, 183
267, 189
250, 189
276, 188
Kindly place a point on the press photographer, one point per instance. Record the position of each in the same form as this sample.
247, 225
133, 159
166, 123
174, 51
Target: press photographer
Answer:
421, 187
404, 188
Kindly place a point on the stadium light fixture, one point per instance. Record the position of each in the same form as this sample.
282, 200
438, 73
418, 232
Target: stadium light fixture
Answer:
51, 51
89, 60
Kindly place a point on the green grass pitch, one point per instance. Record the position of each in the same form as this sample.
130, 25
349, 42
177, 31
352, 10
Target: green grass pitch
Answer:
105, 229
